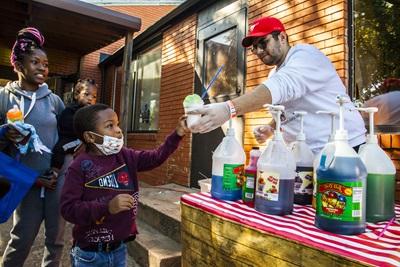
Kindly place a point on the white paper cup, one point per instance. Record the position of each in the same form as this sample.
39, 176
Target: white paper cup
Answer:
192, 119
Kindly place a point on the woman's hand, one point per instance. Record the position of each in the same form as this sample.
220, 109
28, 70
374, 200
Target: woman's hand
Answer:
14, 135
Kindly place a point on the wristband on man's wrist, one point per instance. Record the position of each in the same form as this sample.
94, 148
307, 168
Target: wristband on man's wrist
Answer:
232, 109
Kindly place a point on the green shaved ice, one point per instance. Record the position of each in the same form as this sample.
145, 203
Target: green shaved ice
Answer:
194, 99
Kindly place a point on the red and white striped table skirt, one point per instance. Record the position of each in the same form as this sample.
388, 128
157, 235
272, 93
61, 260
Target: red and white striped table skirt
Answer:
299, 226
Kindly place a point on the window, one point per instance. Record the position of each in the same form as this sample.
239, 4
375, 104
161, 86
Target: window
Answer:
221, 52
147, 81
376, 36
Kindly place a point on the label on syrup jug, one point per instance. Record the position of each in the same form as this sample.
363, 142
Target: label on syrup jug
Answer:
303, 182
340, 201
233, 176
268, 185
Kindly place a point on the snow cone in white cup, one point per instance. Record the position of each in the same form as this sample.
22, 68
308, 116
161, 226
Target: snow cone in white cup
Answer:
190, 103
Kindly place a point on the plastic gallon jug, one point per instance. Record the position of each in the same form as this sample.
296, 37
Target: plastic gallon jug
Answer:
275, 173
341, 186
381, 179
328, 147
250, 173
228, 168
303, 181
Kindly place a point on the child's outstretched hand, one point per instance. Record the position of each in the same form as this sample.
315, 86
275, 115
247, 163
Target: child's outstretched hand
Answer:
181, 128
120, 203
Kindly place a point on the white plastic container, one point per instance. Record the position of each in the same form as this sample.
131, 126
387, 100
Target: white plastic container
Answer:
381, 179
303, 182
228, 168
205, 185
275, 173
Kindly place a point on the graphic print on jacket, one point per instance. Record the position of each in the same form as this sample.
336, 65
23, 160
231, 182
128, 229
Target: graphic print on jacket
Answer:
115, 182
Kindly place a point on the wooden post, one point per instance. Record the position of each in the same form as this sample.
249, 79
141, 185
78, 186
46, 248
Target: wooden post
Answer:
126, 84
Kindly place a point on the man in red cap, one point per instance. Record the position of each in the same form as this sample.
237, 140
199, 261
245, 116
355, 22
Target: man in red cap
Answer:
303, 79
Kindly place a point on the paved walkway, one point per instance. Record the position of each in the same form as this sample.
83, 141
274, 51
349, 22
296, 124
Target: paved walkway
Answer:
35, 257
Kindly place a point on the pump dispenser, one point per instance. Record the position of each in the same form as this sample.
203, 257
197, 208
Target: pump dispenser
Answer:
275, 173
381, 179
328, 147
341, 185
304, 157
228, 168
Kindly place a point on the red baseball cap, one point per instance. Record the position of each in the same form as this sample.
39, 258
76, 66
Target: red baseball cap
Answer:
262, 27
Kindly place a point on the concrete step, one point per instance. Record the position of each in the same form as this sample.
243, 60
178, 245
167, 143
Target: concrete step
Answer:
159, 207
153, 249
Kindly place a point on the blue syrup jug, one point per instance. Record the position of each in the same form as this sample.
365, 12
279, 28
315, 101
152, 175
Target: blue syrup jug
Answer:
341, 186
228, 168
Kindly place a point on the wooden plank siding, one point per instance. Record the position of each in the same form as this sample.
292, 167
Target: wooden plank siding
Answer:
321, 23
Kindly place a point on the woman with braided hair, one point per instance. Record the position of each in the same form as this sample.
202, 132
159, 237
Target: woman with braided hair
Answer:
40, 108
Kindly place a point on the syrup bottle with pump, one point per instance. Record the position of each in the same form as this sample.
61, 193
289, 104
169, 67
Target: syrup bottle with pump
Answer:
275, 173
228, 168
303, 181
381, 179
341, 185
328, 147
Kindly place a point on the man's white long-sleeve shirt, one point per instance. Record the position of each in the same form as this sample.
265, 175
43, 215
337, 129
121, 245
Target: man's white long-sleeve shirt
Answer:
307, 81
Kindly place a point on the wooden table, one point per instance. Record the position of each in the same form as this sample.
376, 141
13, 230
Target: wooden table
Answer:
226, 233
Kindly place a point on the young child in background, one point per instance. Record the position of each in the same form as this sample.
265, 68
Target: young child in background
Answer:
100, 195
84, 94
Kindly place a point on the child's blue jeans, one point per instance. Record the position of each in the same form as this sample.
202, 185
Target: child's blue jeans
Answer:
115, 258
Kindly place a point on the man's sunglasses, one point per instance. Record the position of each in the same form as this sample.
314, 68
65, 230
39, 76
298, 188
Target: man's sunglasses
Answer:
260, 44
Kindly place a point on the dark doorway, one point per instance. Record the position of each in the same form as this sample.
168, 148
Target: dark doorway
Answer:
219, 47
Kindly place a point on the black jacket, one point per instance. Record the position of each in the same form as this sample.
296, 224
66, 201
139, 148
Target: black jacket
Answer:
66, 134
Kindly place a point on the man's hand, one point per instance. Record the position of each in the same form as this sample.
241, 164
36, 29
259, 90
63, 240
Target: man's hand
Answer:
120, 203
213, 116
262, 133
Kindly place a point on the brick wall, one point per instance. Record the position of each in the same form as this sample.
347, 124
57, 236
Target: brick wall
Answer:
177, 81
5, 55
391, 144
320, 23
62, 62
148, 14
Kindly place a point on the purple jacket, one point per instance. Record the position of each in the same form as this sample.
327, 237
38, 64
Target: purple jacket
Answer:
92, 181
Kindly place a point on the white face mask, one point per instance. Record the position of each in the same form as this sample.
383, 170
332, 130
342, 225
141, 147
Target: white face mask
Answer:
110, 145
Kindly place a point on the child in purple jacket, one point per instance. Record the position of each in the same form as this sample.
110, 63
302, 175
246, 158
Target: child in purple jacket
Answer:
100, 194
